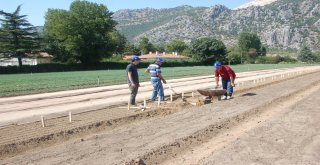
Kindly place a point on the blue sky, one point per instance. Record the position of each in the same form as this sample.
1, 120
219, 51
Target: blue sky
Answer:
36, 9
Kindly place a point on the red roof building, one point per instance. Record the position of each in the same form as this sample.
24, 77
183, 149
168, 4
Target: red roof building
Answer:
157, 54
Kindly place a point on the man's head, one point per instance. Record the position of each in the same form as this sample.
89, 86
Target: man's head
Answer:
135, 59
217, 65
159, 61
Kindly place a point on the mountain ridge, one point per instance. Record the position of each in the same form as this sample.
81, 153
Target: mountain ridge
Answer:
284, 24
255, 3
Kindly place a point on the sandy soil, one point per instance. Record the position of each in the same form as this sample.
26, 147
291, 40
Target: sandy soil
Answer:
275, 123
291, 136
24, 109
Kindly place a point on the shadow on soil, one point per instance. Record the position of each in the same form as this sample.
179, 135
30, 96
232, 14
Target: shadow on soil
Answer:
248, 94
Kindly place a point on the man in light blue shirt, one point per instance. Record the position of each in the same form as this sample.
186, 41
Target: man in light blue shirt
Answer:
156, 77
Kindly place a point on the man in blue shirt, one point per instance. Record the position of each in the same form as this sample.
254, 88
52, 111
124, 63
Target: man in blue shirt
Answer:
133, 78
156, 77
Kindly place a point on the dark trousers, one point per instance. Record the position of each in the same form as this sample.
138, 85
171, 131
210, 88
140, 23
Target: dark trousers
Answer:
134, 92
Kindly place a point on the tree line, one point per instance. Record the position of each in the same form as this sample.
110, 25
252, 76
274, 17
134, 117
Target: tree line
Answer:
86, 34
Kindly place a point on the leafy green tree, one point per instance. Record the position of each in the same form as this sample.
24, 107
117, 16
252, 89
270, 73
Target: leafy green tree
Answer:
305, 55
85, 32
131, 49
263, 51
17, 35
119, 42
158, 48
317, 57
234, 55
249, 41
176, 46
145, 46
56, 33
187, 52
250, 46
208, 50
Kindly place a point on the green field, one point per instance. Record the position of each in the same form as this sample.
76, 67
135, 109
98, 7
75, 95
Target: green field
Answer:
22, 84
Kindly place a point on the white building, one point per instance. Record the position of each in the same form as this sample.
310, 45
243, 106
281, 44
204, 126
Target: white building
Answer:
32, 59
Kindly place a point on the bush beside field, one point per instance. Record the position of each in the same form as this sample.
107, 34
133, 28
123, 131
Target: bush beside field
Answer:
23, 84
107, 65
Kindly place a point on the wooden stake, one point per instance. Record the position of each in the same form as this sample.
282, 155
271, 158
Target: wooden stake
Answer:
70, 117
171, 97
129, 105
42, 121
98, 80
133, 107
195, 104
158, 101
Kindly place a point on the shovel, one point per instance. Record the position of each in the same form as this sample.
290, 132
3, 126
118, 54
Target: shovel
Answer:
170, 88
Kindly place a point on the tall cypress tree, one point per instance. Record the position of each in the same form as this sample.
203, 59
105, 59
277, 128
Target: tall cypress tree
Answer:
17, 35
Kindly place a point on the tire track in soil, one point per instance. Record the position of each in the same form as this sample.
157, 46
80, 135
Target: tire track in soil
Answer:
190, 150
36, 103
194, 155
88, 127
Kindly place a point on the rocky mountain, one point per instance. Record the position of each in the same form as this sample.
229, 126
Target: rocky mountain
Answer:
280, 24
255, 3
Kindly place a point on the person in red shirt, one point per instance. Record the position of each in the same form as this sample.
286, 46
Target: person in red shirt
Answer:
227, 78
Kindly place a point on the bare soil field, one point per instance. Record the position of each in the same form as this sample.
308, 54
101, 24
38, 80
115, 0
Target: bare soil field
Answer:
270, 122
29, 108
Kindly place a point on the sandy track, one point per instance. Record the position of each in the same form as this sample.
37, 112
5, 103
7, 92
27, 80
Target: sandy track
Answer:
22, 109
291, 137
277, 129
161, 138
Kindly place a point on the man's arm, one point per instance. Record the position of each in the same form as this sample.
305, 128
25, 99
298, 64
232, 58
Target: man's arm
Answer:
216, 77
232, 81
161, 78
231, 75
130, 79
217, 81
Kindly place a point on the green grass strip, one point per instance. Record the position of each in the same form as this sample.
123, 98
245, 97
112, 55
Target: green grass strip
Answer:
23, 84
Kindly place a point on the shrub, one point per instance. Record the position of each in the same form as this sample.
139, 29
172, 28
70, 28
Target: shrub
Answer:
107, 65
275, 60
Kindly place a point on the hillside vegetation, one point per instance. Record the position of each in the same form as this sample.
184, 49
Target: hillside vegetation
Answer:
281, 24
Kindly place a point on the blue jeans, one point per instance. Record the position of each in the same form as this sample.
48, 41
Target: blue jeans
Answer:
226, 84
157, 89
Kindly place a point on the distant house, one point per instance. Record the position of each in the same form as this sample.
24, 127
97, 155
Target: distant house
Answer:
31, 59
164, 55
